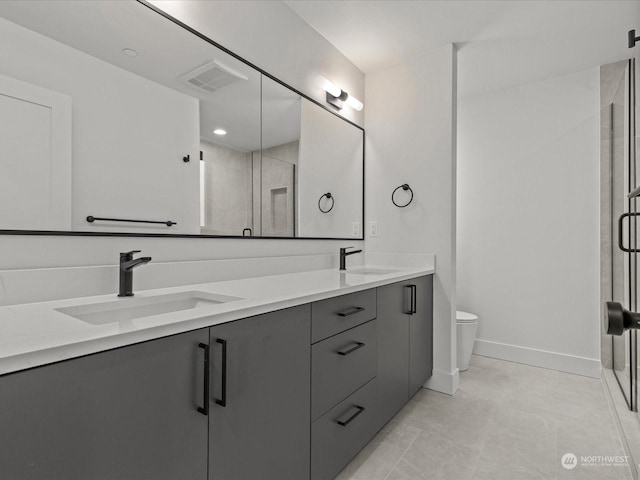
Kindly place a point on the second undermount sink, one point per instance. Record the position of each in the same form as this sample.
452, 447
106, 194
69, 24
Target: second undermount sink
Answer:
371, 271
132, 308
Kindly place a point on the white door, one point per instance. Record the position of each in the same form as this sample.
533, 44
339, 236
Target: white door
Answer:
35, 157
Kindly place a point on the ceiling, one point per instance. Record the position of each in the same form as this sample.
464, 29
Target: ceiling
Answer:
500, 43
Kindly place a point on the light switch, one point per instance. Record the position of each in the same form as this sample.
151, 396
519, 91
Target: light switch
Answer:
373, 229
355, 229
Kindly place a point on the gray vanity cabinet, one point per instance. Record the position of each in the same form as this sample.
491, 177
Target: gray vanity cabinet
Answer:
124, 413
228, 402
259, 406
393, 349
420, 333
405, 345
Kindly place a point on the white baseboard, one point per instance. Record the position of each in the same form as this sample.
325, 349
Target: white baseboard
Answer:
588, 367
443, 382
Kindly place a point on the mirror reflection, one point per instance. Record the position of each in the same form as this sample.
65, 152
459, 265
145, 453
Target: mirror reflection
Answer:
127, 116
250, 188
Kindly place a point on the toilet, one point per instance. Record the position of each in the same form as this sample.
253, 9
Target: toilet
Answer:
466, 325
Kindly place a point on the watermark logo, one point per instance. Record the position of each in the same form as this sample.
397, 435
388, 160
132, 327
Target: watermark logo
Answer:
569, 461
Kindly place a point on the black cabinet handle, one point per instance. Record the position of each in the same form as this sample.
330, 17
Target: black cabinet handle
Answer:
352, 417
414, 299
350, 350
350, 311
410, 298
205, 396
223, 401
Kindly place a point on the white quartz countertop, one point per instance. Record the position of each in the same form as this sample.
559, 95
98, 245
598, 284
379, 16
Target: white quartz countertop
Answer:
37, 334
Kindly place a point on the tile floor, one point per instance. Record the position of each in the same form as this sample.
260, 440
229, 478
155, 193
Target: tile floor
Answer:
507, 421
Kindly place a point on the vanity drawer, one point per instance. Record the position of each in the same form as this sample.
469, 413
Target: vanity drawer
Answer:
334, 315
340, 365
340, 434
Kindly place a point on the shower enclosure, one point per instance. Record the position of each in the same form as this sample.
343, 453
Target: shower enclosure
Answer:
620, 212
248, 193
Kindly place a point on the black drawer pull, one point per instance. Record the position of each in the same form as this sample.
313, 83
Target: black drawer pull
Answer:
350, 311
351, 350
352, 417
205, 395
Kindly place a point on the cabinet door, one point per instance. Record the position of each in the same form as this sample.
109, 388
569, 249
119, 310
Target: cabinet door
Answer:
421, 333
393, 347
263, 429
129, 413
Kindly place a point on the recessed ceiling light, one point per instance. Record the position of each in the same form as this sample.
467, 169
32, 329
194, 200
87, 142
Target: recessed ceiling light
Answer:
129, 52
219, 131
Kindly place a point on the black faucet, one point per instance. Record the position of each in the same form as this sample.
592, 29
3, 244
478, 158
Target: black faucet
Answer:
127, 264
343, 257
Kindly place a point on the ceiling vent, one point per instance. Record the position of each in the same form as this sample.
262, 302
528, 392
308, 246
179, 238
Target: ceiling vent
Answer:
213, 76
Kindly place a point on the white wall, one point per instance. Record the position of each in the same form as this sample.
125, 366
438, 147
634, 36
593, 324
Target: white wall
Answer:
274, 38
528, 221
119, 124
411, 131
300, 54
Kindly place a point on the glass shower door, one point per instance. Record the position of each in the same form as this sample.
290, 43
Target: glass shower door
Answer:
624, 212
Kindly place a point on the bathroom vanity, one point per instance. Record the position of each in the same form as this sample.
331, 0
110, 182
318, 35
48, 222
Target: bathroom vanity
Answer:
288, 381
275, 377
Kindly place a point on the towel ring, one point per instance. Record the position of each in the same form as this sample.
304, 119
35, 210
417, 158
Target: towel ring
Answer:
329, 197
404, 187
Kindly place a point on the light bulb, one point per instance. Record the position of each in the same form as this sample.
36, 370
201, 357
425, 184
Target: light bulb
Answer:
329, 87
354, 103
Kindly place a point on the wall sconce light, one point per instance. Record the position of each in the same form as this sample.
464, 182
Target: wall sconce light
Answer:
338, 97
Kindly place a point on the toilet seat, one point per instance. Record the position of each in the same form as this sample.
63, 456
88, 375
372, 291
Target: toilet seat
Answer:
465, 317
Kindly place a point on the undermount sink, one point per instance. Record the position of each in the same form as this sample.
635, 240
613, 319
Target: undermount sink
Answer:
371, 271
132, 308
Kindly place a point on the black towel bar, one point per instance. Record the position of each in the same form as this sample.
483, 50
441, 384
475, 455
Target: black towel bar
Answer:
92, 219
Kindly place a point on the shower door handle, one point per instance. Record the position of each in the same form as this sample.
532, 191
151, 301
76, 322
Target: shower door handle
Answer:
620, 242
618, 319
